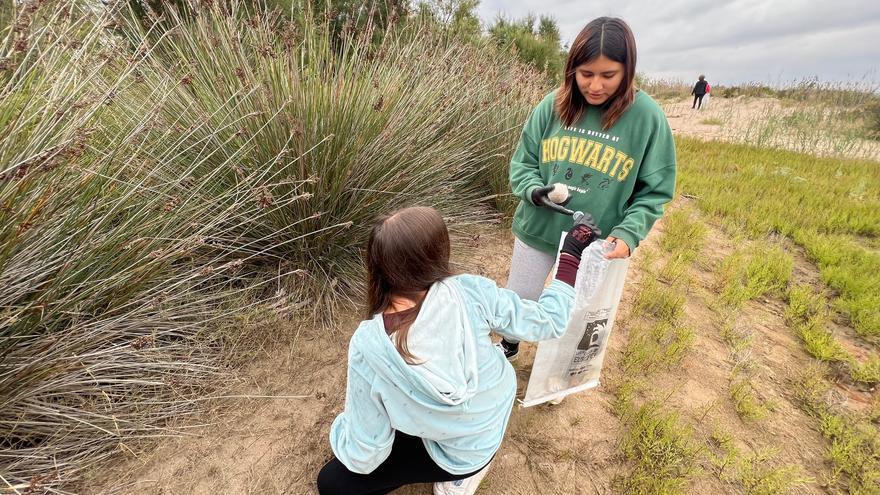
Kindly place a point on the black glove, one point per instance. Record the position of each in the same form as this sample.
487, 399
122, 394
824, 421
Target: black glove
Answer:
540, 193
584, 232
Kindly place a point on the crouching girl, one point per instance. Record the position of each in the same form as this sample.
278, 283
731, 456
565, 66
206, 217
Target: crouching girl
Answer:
429, 395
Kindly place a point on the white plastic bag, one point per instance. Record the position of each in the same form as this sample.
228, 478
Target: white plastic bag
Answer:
573, 362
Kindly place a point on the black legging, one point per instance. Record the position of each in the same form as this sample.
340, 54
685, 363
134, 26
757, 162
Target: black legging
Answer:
698, 99
408, 463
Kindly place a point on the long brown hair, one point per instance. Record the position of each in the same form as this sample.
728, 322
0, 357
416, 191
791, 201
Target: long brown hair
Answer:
408, 251
611, 37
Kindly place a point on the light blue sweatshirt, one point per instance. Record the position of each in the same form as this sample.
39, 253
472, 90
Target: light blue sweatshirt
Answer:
459, 396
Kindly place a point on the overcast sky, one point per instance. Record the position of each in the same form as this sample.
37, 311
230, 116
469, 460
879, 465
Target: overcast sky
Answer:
772, 41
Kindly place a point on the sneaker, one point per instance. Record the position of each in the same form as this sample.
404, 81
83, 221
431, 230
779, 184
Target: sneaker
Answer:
467, 486
511, 349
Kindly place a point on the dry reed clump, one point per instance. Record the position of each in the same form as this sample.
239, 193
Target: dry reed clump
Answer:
163, 184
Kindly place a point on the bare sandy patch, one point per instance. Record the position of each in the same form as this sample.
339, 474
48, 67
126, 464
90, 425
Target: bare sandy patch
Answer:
769, 122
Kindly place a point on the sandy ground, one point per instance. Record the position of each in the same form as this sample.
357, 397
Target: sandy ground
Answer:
764, 122
277, 445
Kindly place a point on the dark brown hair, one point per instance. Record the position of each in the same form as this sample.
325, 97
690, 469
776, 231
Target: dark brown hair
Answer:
612, 38
408, 251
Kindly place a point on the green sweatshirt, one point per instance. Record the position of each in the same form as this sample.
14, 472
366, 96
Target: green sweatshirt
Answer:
623, 177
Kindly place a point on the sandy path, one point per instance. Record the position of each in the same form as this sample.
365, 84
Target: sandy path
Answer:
277, 446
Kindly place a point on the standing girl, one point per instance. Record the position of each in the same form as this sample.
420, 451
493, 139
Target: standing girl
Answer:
428, 394
607, 141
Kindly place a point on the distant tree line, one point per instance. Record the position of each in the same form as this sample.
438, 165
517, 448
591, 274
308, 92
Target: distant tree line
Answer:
535, 39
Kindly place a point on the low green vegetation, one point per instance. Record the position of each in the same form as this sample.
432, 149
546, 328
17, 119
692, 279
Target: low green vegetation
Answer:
807, 314
750, 272
827, 206
658, 444
854, 452
854, 442
656, 346
757, 473
656, 300
684, 236
746, 275
745, 399
660, 447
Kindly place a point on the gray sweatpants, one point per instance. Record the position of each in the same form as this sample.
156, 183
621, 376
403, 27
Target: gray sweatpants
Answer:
529, 269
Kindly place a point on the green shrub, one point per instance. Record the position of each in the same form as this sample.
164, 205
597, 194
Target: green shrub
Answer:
160, 188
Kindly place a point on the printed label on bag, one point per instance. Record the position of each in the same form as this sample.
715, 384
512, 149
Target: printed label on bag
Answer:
589, 346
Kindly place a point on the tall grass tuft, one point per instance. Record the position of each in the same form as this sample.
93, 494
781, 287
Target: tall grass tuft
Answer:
118, 277
156, 184
416, 119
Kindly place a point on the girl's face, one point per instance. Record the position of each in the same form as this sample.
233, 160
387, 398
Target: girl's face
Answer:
598, 80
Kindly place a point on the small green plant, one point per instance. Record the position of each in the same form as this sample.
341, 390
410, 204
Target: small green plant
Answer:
810, 385
656, 345
753, 274
725, 442
807, 314
712, 121
758, 472
683, 234
746, 401
867, 371
803, 304
854, 452
819, 342
749, 406
874, 411
675, 270
759, 475
661, 449
738, 337
657, 300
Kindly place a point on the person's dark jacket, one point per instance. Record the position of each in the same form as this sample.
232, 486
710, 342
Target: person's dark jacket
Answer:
700, 88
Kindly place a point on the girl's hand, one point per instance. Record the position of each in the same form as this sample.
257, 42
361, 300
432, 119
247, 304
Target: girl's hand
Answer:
621, 250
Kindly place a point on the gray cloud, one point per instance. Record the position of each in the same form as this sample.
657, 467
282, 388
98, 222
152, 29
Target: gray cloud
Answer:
739, 41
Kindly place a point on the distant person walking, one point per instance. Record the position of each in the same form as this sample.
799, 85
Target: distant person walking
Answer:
708, 94
699, 91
